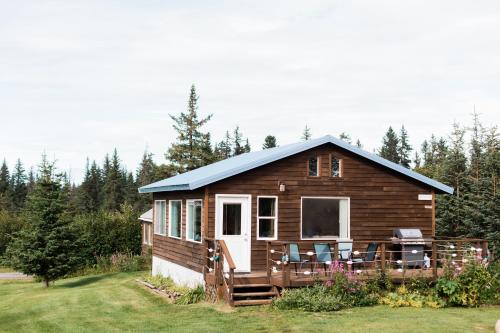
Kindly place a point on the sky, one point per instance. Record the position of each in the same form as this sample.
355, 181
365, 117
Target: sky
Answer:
79, 78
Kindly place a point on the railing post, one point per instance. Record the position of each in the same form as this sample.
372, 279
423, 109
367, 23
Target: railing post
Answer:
231, 286
268, 268
335, 251
382, 257
484, 247
434, 259
285, 269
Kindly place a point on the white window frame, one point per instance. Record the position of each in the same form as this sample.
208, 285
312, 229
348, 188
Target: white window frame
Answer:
341, 166
154, 219
329, 238
146, 229
318, 166
170, 219
268, 217
187, 220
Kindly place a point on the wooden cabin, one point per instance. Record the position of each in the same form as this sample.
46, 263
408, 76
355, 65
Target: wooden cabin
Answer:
321, 190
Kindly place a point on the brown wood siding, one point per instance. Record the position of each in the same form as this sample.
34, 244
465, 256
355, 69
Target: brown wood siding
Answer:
380, 199
180, 251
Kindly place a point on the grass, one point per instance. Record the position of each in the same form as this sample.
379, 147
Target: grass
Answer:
6, 269
114, 302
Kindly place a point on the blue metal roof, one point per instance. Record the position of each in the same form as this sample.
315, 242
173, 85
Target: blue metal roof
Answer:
235, 165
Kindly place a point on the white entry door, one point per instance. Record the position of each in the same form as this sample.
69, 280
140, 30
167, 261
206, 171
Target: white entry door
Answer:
232, 224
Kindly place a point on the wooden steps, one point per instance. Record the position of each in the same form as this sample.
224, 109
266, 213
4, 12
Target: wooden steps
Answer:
252, 290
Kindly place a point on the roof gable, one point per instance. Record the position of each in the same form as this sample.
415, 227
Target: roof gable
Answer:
235, 165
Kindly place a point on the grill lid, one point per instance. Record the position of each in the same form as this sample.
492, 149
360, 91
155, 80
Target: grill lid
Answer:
407, 233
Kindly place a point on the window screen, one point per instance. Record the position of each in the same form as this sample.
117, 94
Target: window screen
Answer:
324, 218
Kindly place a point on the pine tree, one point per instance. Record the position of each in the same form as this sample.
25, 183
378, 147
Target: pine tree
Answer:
5, 190
269, 142
90, 191
207, 153
189, 152
246, 147
18, 186
389, 149
238, 147
345, 137
224, 149
306, 135
404, 148
47, 246
114, 183
358, 144
146, 174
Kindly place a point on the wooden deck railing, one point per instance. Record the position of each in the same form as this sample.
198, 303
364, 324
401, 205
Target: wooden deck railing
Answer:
217, 255
389, 258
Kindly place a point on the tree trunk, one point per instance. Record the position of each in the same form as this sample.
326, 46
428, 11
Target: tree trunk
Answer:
45, 282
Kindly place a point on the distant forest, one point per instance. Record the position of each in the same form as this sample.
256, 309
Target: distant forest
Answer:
467, 158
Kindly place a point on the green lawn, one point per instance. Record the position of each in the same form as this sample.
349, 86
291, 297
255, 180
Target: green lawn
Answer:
114, 302
5, 269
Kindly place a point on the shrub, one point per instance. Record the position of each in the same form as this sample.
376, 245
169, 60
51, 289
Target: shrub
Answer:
315, 299
405, 297
474, 285
9, 224
192, 296
117, 262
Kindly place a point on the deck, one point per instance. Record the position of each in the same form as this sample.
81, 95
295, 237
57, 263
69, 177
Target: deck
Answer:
289, 267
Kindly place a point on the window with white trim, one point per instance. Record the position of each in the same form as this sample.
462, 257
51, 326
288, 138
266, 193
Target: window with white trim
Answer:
175, 218
336, 166
267, 217
193, 220
160, 213
146, 233
313, 166
324, 218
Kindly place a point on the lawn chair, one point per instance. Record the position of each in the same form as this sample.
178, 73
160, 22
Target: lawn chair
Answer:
294, 256
345, 250
323, 254
368, 257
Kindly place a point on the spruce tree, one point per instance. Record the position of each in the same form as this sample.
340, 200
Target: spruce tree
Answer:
306, 135
90, 191
238, 147
47, 246
358, 144
224, 149
189, 152
114, 183
269, 142
5, 190
389, 149
404, 148
345, 137
18, 186
246, 147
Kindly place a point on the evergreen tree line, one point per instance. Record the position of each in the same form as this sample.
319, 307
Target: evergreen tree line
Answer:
43, 214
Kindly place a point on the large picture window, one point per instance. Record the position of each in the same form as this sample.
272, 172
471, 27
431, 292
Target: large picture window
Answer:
267, 217
175, 213
193, 217
325, 218
160, 213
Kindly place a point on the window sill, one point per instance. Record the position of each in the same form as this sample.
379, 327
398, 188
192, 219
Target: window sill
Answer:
193, 241
175, 237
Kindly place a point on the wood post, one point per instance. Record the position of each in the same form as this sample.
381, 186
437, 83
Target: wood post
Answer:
231, 286
285, 269
268, 268
382, 257
335, 251
434, 260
